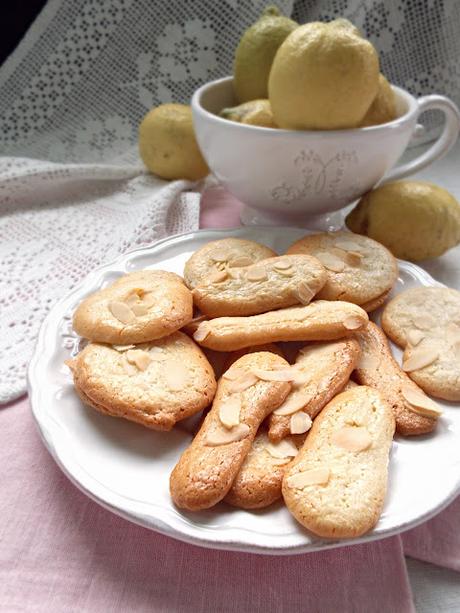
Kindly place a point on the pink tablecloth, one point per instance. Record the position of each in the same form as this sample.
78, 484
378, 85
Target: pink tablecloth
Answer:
59, 551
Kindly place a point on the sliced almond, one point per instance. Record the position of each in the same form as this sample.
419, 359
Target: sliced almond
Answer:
122, 348
283, 449
218, 276
229, 411
256, 273
220, 255
282, 264
300, 422
122, 312
419, 357
140, 309
202, 332
223, 436
353, 258
424, 321
300, 376
279, 461
286, 272
352, 438
330, 261
304, 293
240, 262
176, 376
139, 358
148, 299
233, 373
353, 322
286, 374
296, 401
420, 402
347, 245
315, 476
414, 337
242, 383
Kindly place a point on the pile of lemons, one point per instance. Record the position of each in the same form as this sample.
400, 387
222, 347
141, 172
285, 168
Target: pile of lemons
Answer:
317, 76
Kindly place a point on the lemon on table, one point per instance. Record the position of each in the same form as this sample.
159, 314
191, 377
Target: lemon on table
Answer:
167, 143
383, 109
323, 77
413, 219
254, 113
255, 52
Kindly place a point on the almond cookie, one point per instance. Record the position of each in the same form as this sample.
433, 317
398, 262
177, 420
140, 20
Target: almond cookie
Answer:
271, 284
414, 412
139, 307
359, 269
319, 321
207, 468
154, 384
323, 369
221, 255
376, 303
258, 482
425, 321
336, 485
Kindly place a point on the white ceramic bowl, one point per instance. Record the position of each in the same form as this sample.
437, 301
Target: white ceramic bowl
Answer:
287, 175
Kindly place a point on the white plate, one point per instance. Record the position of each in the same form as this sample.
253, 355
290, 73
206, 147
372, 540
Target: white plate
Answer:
126, 467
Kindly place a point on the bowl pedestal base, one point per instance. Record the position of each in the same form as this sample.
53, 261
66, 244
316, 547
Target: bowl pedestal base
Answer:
334, 220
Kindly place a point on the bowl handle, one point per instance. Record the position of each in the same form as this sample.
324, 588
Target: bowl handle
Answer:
443, 144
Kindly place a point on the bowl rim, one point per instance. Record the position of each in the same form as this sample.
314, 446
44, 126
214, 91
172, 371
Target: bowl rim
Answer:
395, 124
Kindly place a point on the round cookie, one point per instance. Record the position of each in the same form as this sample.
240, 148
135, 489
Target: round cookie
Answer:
218, 255
139, 307
274, 283
359, 269
425, 321
154, 384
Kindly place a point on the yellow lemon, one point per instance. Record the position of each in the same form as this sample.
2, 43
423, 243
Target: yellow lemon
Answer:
255, 52
414, 219
383, 109
167, 143
341, 22
323, 77
254, 113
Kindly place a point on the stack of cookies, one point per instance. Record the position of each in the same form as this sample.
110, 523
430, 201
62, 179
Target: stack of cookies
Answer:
283, 418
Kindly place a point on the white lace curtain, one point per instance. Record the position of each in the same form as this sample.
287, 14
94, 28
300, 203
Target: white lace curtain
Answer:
88, 70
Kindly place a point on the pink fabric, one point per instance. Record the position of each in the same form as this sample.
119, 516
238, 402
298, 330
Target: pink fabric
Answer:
59, 551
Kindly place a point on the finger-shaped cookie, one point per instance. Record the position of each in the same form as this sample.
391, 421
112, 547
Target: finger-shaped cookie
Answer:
208, 467
271, 284
323, 370
223, 254
321, 320
359, 269
258, 482
425, 321
139, 307
414, 412
154, 384
336, 485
